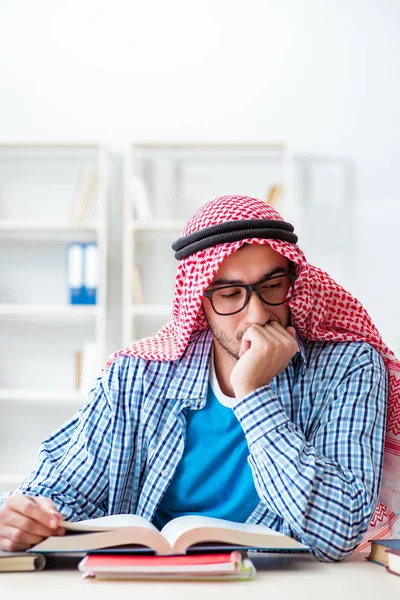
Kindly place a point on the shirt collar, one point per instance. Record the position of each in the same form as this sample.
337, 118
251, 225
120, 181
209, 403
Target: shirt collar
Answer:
302, 347
192, 375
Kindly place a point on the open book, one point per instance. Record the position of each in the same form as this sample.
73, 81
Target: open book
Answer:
177, 537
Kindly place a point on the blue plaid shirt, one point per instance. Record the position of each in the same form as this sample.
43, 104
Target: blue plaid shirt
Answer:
315, 437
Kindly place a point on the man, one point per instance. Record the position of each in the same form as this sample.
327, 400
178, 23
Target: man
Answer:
263, 400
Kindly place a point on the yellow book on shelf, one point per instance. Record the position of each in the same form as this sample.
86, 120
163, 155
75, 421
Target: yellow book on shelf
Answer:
137, 287
274, 195
83, 203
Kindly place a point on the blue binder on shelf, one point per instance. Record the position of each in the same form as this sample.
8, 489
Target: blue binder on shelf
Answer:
82, 272
75, 275
90, 273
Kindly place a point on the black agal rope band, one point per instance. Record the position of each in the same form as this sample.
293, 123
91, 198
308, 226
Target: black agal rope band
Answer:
232, 231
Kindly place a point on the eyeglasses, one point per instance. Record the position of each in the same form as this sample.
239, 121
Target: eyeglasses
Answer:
231, 299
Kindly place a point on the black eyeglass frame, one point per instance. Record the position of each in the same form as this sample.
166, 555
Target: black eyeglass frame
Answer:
254, 287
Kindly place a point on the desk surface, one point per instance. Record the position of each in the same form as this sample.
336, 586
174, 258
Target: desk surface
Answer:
279, 577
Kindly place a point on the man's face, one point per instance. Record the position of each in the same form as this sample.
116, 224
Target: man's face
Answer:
250, 264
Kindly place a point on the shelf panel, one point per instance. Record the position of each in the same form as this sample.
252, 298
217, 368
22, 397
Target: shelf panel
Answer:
161, 225
151, 309
42, 396
208, 145
47, 226
50, 311
87, 145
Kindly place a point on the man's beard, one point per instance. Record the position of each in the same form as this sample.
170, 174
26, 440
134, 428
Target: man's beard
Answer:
227, 343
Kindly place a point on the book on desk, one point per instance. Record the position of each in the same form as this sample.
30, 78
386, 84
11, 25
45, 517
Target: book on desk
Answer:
189, 534
378, 553
229, 566
20, 561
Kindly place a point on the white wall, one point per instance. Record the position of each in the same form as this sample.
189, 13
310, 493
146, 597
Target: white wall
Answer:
322, 74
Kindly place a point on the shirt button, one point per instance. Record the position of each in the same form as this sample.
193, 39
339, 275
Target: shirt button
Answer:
164, 473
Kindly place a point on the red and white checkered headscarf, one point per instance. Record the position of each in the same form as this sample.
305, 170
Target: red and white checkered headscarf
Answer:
321, 310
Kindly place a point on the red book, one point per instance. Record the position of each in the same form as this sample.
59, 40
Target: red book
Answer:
194, 567
110, 561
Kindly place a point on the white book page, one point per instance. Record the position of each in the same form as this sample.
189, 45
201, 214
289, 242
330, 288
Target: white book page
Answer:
175, 528
108, 523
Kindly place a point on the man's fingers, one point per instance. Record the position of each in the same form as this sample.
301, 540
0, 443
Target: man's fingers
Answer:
17, 536
273, 334
34, 509
244, 346
259, 334
277, 327
49, 507
26, 520
25, 523
271, 331
288, 332
44, 510
10, 546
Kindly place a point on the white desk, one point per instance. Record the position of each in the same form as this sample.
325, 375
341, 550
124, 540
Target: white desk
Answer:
298, 577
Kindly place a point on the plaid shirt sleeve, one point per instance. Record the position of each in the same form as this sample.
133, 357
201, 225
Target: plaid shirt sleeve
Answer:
324, 486
72, 465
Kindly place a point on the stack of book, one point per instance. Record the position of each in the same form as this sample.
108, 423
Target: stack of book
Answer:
196, 567
379, 551
387, 554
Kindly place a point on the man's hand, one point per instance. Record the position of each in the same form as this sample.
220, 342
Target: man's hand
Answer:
264, 353
26, 520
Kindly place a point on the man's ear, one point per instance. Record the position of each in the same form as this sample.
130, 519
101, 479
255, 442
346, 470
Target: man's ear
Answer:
204, 312
292, 268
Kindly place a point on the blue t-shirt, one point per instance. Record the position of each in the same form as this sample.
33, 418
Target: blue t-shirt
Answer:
213, 478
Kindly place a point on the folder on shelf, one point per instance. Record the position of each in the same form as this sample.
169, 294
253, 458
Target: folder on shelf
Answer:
82, 272
75, 273
90, 273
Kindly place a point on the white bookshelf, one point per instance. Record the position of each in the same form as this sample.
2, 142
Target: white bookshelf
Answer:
177, 179
325, 196
162, 225
52, 310
73, 397
143, 310
40, 331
